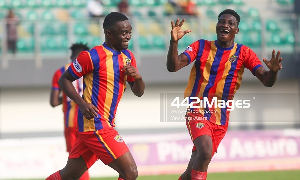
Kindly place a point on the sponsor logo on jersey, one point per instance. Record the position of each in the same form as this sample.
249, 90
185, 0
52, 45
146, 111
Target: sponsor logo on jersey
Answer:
199, 125
118, 138
77, 66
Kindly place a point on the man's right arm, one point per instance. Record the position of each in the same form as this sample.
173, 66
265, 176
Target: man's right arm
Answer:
65, 83
175, 61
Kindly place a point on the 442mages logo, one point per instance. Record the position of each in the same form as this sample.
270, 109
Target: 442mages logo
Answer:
195, 102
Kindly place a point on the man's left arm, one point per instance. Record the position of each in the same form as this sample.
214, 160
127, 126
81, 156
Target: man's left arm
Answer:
268, 78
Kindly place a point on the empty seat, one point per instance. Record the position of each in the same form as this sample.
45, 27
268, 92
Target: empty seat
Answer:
289, 39
46, 3
256, 25
3, 4
158, 42
16, 3
32, 3
49, 44
144, 42
110, 3
77, 14
32, 15
274, 39
81, 29
62, 4
48, 29
48, 15
135, 3
25, 45
78, 3
253, 13
243, 26
271, 25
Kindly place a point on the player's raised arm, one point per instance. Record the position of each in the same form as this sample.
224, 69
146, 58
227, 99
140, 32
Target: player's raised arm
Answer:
175, 62
65, 83
138, 86
268, 78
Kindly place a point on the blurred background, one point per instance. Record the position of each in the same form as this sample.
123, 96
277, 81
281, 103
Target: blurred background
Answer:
263, 137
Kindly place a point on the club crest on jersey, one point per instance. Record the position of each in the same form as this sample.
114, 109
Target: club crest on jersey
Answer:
189, 48
77, 66
118, 138
128, 62
199, 125
232, 58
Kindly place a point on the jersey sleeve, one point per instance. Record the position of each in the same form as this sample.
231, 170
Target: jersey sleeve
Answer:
133, 63
82, 65
55, 79
192, 51
251, 61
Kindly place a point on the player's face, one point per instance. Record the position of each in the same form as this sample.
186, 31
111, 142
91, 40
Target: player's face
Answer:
121, 34
226, 28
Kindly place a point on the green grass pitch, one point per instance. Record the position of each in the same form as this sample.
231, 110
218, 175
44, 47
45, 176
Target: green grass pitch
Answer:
257, 175
261, 175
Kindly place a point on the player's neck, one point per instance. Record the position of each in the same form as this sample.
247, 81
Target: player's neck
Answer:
225, 44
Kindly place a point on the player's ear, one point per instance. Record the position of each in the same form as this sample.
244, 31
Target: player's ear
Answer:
108, 33
237, 30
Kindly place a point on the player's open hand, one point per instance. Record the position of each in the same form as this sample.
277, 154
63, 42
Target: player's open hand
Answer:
132, 71
176, 32
88, 110
275, 63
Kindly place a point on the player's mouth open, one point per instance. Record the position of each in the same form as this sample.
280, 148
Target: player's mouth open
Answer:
126, 43
224, 32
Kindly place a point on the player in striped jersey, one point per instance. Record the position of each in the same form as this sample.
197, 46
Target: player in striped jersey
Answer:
216, 74
105, 70
69, 107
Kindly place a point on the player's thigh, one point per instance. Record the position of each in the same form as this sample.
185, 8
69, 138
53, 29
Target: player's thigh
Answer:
75, 167
124, 164
204, 146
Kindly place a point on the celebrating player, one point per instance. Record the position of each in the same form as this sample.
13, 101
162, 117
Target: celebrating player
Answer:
217, 72
105, 70
70, 108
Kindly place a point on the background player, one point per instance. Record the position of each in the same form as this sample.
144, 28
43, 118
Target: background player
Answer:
217, 72
105, 70
69, 107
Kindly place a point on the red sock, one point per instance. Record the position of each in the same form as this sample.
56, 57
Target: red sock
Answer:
54, 176
197, 175
85, 176
180, 178
120, 179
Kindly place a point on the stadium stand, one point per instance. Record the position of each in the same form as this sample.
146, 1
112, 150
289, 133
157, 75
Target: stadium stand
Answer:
152, 25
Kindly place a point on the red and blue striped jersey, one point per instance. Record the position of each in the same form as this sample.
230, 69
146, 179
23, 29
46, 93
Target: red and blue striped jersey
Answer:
69, 107
217, 72
104, 83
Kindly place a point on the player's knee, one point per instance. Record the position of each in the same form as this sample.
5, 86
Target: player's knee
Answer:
131, 173
204, 156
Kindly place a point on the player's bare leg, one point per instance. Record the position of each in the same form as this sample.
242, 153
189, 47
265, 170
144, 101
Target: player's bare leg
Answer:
204, 147
125, 166
74, 169
187, 173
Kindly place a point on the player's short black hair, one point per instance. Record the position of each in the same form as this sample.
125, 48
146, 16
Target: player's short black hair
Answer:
232, 12
113, 18
79, 47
